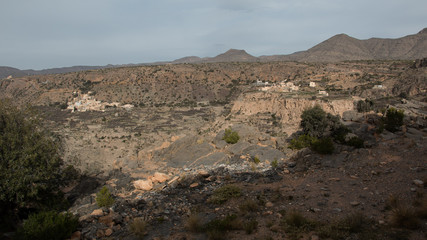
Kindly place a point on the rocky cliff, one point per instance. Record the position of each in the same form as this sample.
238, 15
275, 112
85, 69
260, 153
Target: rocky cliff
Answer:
286, 110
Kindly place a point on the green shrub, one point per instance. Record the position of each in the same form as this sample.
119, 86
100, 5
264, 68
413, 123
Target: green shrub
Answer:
355, 142
353, 224
224, 193
256, 160
323, 146
301, 142
217, 227
365, 106
339, 134
249, 206
275, 164
231, 136
104, 198
138, 227
393, 119
31, 171
250, 226
48, 225
295, 223
194, 223
296, 219
316, 122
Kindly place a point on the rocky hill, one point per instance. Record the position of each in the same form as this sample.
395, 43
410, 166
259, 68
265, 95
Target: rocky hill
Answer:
342, 47
232, 55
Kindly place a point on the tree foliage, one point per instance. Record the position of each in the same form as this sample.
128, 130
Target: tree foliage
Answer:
30, 165
317, 123
365, 106
104, 198
231, 136
393, 119
48, 225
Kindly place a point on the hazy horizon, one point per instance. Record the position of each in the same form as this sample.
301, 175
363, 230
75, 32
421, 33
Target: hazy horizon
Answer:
49, 34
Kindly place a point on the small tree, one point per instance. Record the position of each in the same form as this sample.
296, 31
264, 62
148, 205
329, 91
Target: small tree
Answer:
104, 198
48, 225
393, 119
365, 106
30, 166
323, 146
317, 123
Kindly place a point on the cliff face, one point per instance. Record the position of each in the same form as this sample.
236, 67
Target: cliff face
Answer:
288, 110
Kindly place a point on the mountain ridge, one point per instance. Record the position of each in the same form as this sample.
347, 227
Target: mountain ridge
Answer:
340, 47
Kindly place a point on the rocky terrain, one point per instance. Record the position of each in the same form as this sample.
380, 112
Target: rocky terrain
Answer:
164, 158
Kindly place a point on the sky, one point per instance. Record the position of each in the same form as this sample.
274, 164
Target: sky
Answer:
41, 34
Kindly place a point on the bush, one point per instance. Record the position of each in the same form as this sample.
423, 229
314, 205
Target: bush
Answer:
104, 198
217, 227
355, 142
274, 164
48, 225
365, 106
393, 119
30, 166
323, 146
301, 142
224, 193
250, 226
138, 227
257, 160
340, 133
317, 123
231, 136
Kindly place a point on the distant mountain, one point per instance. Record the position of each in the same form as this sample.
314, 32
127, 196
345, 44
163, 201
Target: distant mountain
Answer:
190, 59
9, 71
14, 72
232, 55
340, 47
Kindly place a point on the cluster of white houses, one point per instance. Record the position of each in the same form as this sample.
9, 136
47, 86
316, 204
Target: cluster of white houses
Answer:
284, 86
85, 102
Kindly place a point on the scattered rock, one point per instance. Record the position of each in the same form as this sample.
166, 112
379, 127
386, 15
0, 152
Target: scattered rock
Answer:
204, 173
145, 185
174, 179
418, 183
193, 185
354, 203
97, 212
108, 232
159, 177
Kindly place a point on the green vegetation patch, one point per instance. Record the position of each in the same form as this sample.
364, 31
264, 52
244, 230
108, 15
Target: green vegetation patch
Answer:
48, 225
224, 193
231, 136
104, 198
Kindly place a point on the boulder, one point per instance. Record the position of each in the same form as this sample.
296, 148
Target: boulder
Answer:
145, 185
97, 212
159, 177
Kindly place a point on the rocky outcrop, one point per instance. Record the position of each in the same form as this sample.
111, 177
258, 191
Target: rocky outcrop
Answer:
288, 110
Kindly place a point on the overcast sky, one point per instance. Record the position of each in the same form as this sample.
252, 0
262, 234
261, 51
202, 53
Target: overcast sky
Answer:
39, 34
